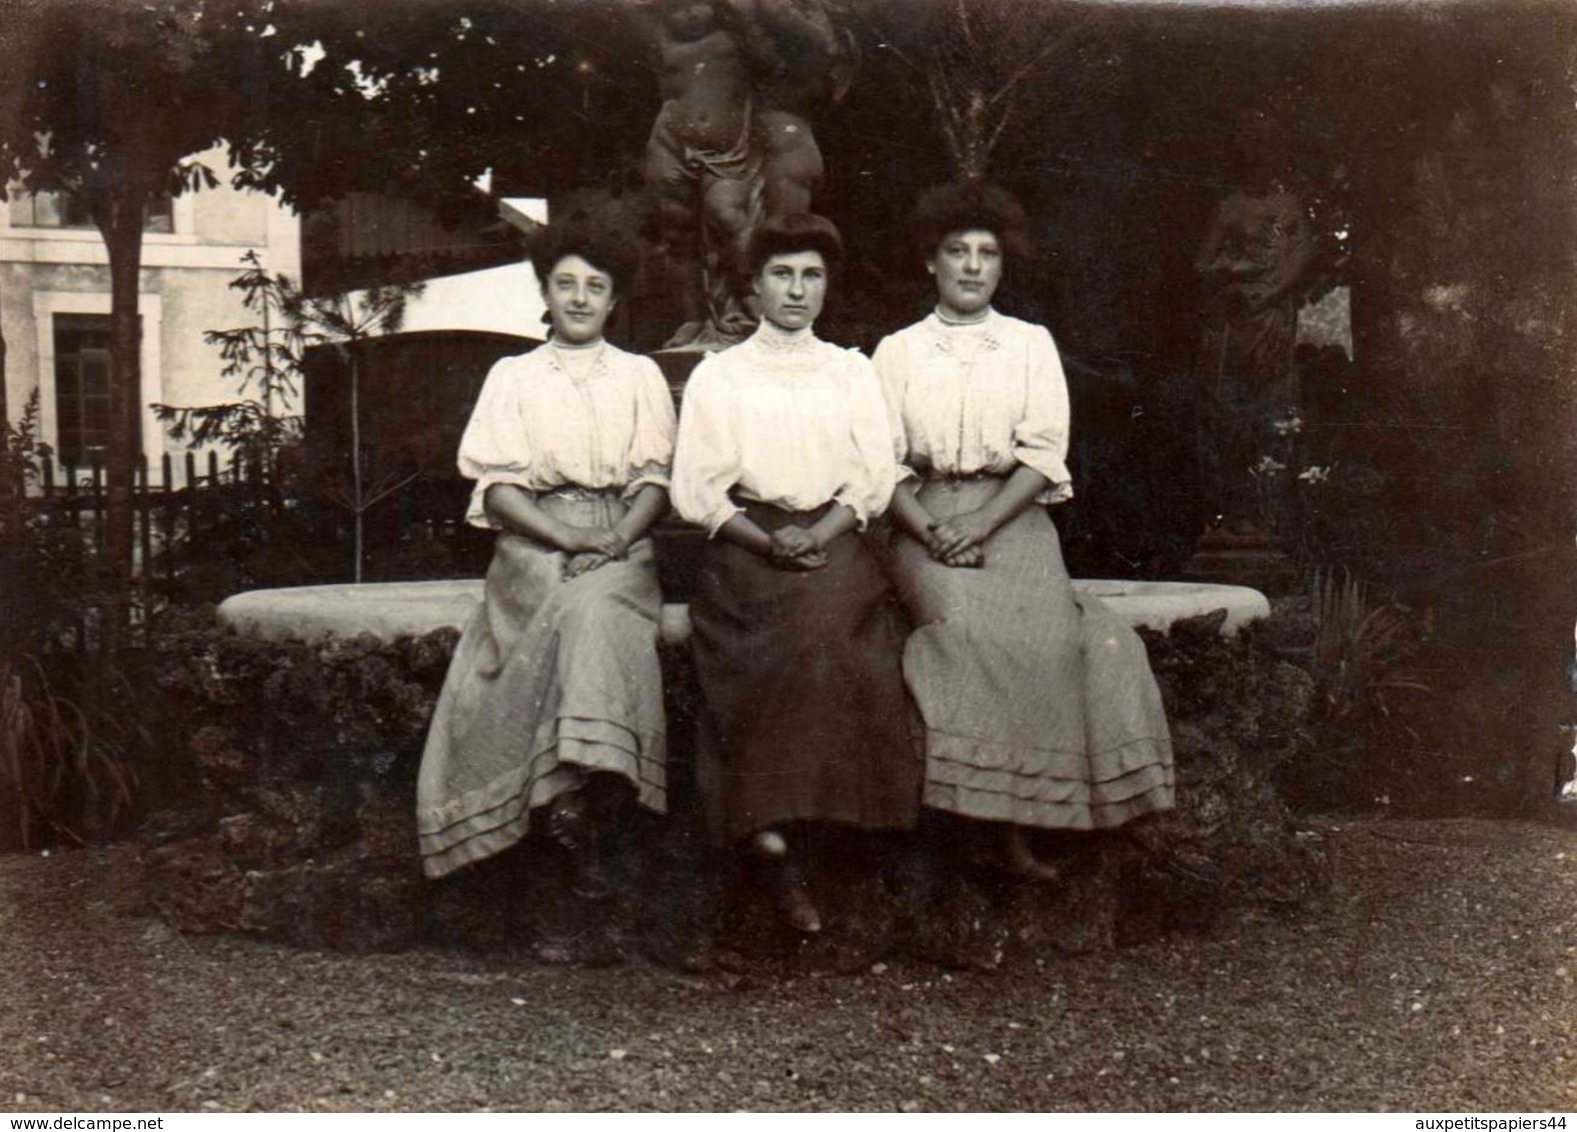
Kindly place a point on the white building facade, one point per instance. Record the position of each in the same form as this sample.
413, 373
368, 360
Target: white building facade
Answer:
55, 306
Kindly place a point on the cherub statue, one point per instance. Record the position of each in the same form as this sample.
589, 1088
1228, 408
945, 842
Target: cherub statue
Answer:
732, 143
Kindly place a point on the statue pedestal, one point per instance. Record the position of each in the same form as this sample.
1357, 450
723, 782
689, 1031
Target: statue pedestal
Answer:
677, 365
1242, 558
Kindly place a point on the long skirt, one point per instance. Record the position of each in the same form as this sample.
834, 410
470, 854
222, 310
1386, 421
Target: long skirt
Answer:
551, 679
1039, 705
804, 715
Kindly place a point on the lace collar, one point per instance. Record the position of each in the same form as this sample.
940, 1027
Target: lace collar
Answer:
773, 339
578, 363
962, 337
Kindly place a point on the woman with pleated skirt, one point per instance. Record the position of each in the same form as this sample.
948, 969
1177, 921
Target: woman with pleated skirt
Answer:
552, 710
1039, 707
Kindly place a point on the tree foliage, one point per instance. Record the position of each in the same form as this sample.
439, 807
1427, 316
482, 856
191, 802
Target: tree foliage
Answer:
109, 103
420, 100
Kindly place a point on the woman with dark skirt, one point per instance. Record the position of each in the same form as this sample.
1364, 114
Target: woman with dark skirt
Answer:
1039, 707
784, 452
552, 709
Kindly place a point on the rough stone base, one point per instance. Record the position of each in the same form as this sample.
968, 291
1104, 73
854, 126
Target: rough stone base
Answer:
297, 826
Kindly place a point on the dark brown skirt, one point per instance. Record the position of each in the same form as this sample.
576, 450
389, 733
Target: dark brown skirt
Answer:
804, 714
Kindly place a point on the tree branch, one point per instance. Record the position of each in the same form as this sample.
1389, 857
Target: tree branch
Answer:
1017, 76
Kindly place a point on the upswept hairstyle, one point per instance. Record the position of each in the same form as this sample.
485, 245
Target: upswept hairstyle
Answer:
599, 246
793, 232
972, 204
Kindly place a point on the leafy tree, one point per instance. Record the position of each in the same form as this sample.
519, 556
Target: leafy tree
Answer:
420, 100
108, 103
18, 40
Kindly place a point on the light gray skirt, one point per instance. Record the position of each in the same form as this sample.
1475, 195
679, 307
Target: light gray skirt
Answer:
1039, 706
550, 679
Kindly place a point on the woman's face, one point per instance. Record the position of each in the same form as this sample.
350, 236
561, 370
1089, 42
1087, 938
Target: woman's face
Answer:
968, 267
791, 289
580, 298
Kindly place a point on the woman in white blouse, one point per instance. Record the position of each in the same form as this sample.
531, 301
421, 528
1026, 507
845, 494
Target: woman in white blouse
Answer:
553, 702
1039, 706
784, 452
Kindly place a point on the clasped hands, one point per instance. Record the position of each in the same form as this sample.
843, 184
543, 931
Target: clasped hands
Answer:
957, 541
797, 548
590, 548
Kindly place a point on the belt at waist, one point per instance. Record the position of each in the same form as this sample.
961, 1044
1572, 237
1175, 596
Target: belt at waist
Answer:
770, 516
929, 475
578, 493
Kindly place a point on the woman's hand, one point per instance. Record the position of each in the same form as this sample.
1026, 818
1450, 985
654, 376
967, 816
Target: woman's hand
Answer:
951, 537
796, 548
580, 564
814, 560
593, 540
792, 542
973, 558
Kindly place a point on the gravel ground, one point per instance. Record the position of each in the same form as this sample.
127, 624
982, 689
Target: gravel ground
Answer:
1437, 976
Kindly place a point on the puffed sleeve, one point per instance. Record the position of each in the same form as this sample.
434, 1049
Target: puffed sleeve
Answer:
706, 457
869, 486
1040, 439
652, 443
494, 448
892, 373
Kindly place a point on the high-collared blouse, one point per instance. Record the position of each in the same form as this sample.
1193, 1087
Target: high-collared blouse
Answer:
539, 426
977, 398
786, 419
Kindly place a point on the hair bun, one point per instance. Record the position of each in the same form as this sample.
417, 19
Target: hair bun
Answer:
971, 204
793, 232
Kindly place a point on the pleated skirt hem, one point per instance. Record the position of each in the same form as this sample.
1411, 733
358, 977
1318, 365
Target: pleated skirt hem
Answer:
1052, 803
1040, 708
493, 817
551, 679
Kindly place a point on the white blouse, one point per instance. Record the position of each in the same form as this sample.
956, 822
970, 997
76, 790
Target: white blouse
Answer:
977, 398
786, 419
539, 425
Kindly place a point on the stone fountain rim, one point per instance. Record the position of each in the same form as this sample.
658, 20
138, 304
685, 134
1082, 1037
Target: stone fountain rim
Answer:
385, 609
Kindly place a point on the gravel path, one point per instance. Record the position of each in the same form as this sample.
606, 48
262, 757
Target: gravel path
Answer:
1438, 976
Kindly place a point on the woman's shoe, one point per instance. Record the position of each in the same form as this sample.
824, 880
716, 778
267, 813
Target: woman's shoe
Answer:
794, 903
587, 880
1021, 858
568, 825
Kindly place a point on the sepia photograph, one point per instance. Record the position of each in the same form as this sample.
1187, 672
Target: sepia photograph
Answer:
788, 555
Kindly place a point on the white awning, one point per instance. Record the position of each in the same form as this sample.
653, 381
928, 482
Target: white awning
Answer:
504, 300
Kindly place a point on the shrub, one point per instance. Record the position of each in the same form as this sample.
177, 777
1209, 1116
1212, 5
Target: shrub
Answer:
66, 773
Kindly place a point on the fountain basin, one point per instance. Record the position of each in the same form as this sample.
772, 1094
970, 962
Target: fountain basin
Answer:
389, 610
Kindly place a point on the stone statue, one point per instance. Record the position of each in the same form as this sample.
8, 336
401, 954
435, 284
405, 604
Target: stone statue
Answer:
1256, 260
732, 143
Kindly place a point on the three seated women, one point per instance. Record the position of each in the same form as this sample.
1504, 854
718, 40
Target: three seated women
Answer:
1033, 707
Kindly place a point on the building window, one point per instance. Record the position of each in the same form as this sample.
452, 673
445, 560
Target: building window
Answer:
62, 210
82, 386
